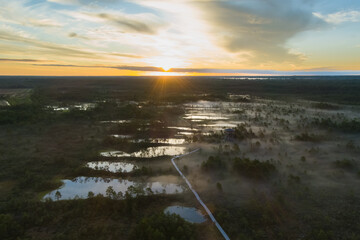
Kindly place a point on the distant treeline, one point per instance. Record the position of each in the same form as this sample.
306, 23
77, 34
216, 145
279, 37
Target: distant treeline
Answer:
337, 89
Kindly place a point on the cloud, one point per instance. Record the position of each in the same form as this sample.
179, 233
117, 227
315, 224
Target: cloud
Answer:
42, 23
261, 27
145, 23
64, 1
82, 2
192, 36
64, 65
15, 37
131, 68
75, 35
18, 42
126, 55
141, 23
315, 71
306, 72
139, 68
20, 60
340, 17
16, 12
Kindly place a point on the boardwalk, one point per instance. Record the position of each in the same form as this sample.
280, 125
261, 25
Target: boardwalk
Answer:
197, 195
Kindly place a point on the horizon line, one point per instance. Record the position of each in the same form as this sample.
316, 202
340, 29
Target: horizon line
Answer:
214, 76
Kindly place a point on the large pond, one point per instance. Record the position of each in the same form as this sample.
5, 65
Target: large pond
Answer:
148, 152
205, 117
116, 121
80, 106
185, 129
81, 186
170, 141
111, 166
192, 215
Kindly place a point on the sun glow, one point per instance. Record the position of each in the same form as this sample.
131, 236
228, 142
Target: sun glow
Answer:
166, 63
166, 74
166, 68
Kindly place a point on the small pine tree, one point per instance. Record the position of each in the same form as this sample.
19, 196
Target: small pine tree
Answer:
57, 195
219, 186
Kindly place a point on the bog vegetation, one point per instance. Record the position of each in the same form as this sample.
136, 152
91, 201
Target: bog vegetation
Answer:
288, 168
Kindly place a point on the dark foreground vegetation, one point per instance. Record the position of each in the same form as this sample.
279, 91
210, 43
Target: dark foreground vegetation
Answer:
93, 218
163, 226
278, 218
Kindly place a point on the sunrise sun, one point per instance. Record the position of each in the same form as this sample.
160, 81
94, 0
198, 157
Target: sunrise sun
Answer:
166, 63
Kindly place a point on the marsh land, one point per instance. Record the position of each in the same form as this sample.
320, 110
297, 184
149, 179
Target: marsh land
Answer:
89, 157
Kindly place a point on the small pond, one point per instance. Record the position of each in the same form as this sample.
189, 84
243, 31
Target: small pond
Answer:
192, 215
121, 136
111, 166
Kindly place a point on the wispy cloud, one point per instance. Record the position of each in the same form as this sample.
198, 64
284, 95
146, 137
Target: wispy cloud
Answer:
42, 23
340, 17
145, 23
50, 47
16, 12
83, 2
21, 60
126, 55
131, 68
75, 35
17, 39
64, 1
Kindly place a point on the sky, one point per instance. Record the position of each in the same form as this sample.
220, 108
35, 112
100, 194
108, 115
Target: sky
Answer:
179, 37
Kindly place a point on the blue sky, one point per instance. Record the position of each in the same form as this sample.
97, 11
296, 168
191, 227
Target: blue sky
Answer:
179, 37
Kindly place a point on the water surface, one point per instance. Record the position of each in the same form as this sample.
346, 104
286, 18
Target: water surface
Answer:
111, 166
170, 141
116, 121
121, 136
148, 152
81, 186
192, 215
205, 117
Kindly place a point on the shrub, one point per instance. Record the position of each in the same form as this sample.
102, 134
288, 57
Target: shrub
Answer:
347, 126
213, 163
306, 137
163, 226
9, 228
254, 168
326, 106
345, 164
219, 186
242, 133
